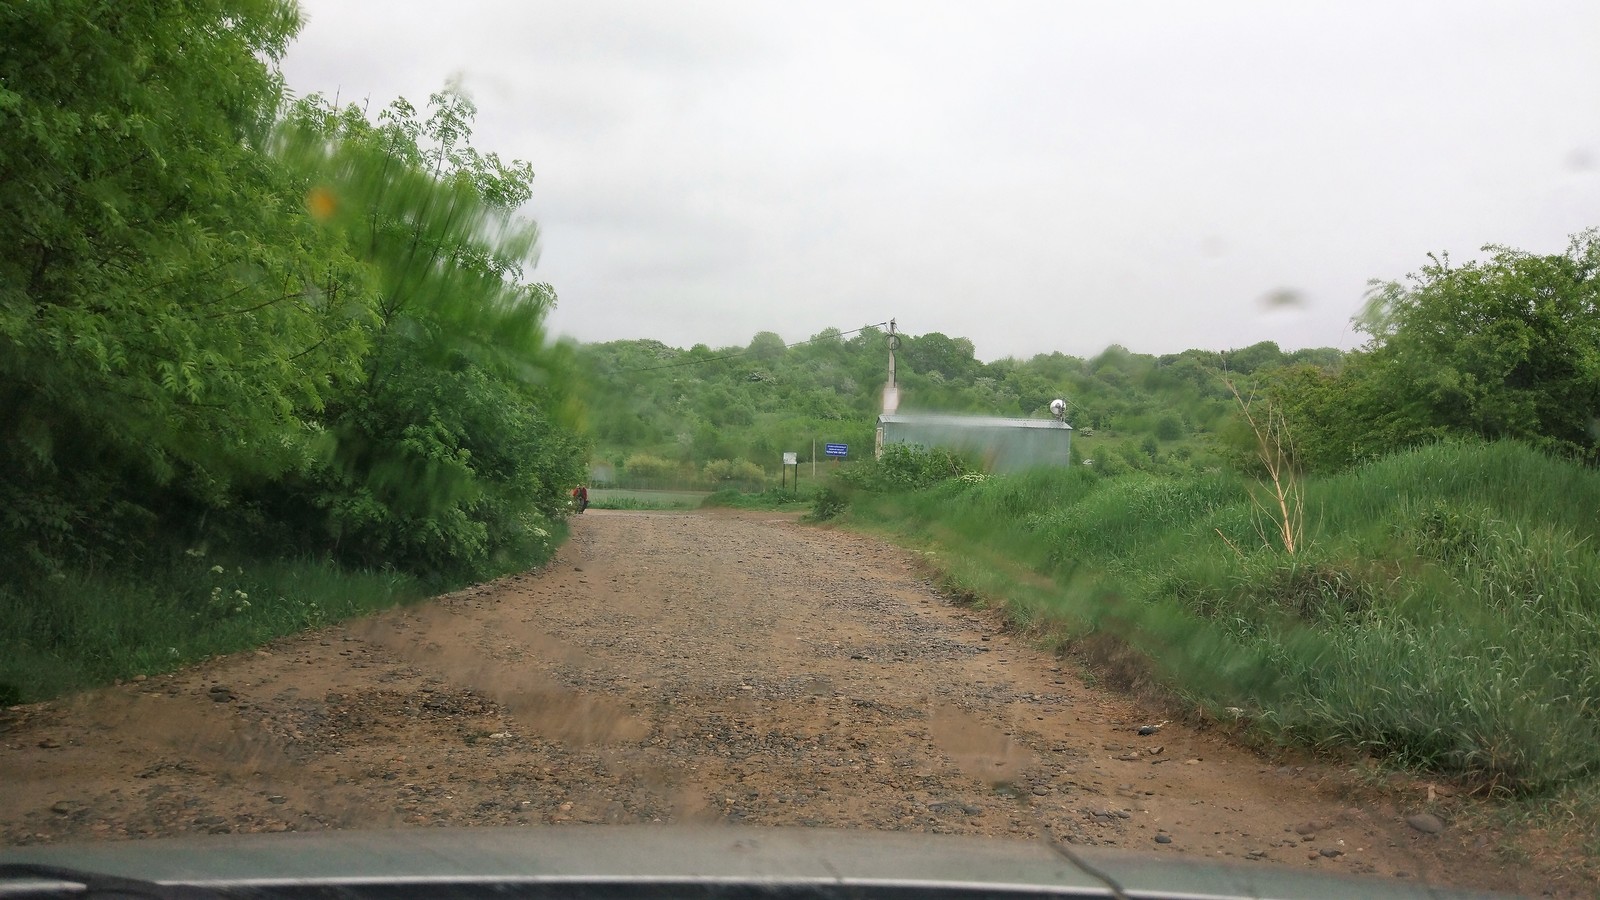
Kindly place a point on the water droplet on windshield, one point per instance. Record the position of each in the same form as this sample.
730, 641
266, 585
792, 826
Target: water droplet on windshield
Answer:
1284, 298
321, 203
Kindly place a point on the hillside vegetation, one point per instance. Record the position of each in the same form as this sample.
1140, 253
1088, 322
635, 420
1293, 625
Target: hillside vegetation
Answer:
661, 416
1508, 347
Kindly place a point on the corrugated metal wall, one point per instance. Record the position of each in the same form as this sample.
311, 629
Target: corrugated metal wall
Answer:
1001, 448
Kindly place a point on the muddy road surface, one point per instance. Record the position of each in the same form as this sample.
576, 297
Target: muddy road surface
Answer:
736, 668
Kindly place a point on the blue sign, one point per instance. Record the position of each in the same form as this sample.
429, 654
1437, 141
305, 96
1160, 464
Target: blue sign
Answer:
838, 449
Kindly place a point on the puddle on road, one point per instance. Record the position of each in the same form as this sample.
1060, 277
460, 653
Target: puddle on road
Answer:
454, 647
980, 750
199, 729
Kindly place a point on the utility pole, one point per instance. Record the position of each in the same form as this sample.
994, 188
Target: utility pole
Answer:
891, 391
894, 344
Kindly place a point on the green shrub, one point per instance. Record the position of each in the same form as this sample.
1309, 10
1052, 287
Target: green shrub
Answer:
643, 465
905, 467
830, 503
81, 629
725, 470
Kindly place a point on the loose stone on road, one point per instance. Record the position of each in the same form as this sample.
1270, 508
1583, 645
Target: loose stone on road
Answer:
684, 667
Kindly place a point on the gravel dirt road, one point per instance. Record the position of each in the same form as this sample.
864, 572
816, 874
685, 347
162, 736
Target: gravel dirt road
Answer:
736, 668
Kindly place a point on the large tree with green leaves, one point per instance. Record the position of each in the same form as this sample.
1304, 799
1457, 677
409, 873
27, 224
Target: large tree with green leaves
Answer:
452, 452
1506, 347
168, 310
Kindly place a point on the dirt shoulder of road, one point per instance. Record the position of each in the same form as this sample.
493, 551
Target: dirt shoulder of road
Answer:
737, 668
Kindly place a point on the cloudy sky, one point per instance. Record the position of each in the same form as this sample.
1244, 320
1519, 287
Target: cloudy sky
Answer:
1035, 176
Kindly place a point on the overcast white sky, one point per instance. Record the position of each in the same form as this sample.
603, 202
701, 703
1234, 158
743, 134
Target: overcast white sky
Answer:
1033, 176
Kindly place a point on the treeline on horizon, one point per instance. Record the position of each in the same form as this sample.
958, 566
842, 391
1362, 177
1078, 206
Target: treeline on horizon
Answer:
1503, 348
674, 411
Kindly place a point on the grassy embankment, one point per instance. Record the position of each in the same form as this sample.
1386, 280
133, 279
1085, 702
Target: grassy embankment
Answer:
1442, 612
85, 629
779, 499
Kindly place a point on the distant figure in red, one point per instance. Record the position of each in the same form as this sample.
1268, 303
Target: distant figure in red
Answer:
580, 497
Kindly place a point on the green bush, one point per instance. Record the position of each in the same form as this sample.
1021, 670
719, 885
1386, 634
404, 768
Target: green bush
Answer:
645, 466
905, 467
1502, 347
449, 475
830, 503
725, 470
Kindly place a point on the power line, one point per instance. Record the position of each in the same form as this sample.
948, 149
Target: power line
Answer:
706, 359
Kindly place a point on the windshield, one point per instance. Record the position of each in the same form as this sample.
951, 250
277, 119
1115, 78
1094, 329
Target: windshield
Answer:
1166, 428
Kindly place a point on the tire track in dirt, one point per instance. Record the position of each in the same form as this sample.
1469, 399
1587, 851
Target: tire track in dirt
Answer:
730, 667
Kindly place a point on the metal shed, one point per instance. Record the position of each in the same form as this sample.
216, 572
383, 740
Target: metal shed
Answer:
1004, 445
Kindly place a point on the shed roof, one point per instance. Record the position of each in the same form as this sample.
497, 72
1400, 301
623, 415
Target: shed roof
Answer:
970, 421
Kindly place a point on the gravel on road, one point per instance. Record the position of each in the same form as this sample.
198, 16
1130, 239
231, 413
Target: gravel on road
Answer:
730, 667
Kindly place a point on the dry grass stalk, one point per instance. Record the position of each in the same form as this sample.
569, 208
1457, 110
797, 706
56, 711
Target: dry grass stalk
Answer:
1274, 449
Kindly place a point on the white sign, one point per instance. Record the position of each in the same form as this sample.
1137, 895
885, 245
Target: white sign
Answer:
791, 459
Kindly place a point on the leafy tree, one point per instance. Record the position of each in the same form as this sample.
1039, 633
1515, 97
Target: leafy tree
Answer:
228, 329
951, 358
1169, 427
1322, 357
169, 313
1253, 358
1508, 347
1504, 348
766, 347
1321, 412
450, 454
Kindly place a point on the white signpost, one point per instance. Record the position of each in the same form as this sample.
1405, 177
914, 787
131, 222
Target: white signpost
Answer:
790, 458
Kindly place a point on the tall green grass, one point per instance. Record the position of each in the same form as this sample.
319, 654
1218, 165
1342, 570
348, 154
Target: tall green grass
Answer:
1443, 612
85, 628
614, 498
790, 499
82, 629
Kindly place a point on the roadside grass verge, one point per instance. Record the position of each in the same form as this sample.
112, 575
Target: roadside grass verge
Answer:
784, 499
615, 498
1443, 613
84, 629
